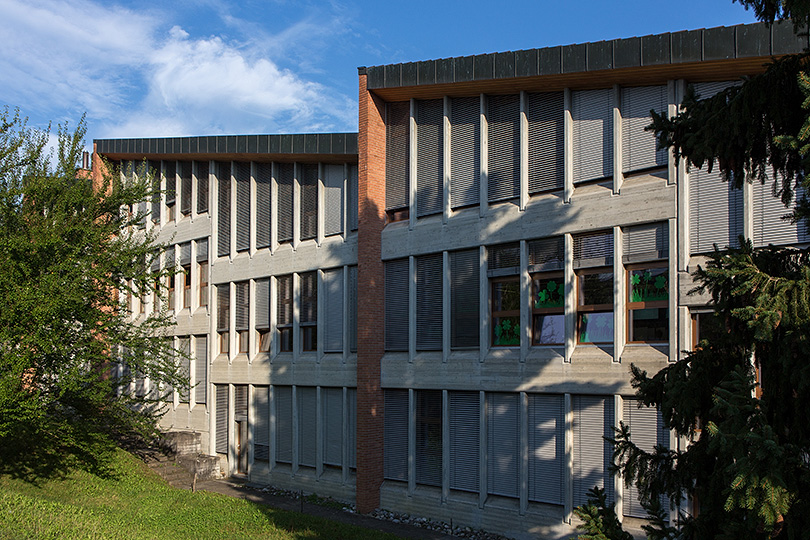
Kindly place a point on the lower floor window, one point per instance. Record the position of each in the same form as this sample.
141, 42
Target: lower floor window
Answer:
506, 312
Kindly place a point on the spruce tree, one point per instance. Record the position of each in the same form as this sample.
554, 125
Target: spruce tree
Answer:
742, 398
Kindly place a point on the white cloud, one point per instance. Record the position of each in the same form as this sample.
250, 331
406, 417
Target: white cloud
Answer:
136, 75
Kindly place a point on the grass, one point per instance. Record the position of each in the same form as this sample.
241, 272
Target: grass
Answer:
132, 502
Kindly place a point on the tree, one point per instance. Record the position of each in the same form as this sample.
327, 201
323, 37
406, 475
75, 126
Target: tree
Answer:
746, 466
67, 253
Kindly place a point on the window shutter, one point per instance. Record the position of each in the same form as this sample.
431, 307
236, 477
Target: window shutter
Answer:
715, 211
185, 186
504, 147
155, 172
309, 201
646, 242
222, 418
309, 297
332, 410
333, 310
769, 227
465, 153
168, 258
464, 440
351, 398
429, 157
282, 401
646, 432
546, 159
202, 250
464, 298
428, 458
286, 173
429, 278
503, 259
242, 305
593, 420
307, 425
264, 175
352, 309
397, 155
593, 249
395, 443
261, 423
202, 186
170, 172
240, 405
242, 174
396, 305
155, 262
184, 345
592, 114
262, 303
546, 448
706, 90
333, 199
639, 146
223, 307
284, 309
503, 438
353, 203
547, 254
224, 209
185, 254
201, 369
142, 214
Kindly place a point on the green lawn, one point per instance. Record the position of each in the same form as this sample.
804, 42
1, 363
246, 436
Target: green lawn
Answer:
134, 503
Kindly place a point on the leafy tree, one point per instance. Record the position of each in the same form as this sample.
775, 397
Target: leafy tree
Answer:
66, 251
742, 398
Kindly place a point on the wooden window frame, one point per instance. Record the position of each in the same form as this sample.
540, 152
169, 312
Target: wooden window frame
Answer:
583, 309
656, 304
203, 268
187, 286
539, 276
505, 313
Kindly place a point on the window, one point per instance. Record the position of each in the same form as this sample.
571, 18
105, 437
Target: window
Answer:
396, 305
593, 423
264, 176
503, 444
284, 313
185, 265
261, 423
128, 287
332, 414
546, 157
546, 258
395, 443
465, 440
309, 201
639, 149
595, 305
465, 304
263, 334
428, 458
283, 404
332, 304
202, 186
504, 147
307, 401
548, 306
200, 369
505, 312
241, 171
465, 153
333, 182
223, 316
647, 303
397, 159
593, 261
154, 171
170, 280
592, 114
309, 311
224, 209
184, 347
429, 285
647, 282
286, 176
185, 187
202, 261
429, 157
170, 172
504, 269
242, 312
715, 211
705, 326
647, 431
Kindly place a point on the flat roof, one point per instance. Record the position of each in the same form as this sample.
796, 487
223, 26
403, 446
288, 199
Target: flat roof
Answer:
668, 49
289, 146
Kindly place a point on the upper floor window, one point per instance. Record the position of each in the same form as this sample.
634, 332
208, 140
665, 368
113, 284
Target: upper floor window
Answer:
284, 312
646, 249
593, 264
503, 271
546, 262
309, 311
170, 173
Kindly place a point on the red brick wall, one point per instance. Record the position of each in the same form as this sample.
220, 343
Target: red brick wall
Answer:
370, 297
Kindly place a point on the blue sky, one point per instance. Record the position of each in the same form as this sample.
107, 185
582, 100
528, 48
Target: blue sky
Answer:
155, 69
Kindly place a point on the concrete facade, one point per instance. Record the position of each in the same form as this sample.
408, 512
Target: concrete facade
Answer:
519, 242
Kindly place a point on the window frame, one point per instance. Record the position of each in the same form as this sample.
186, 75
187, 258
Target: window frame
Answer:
585, 309
543, 311
285, 331
493, 282
187, 286
203, 280
308, 330
655, 304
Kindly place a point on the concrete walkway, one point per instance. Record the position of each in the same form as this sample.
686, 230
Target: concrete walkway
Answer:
233, 488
